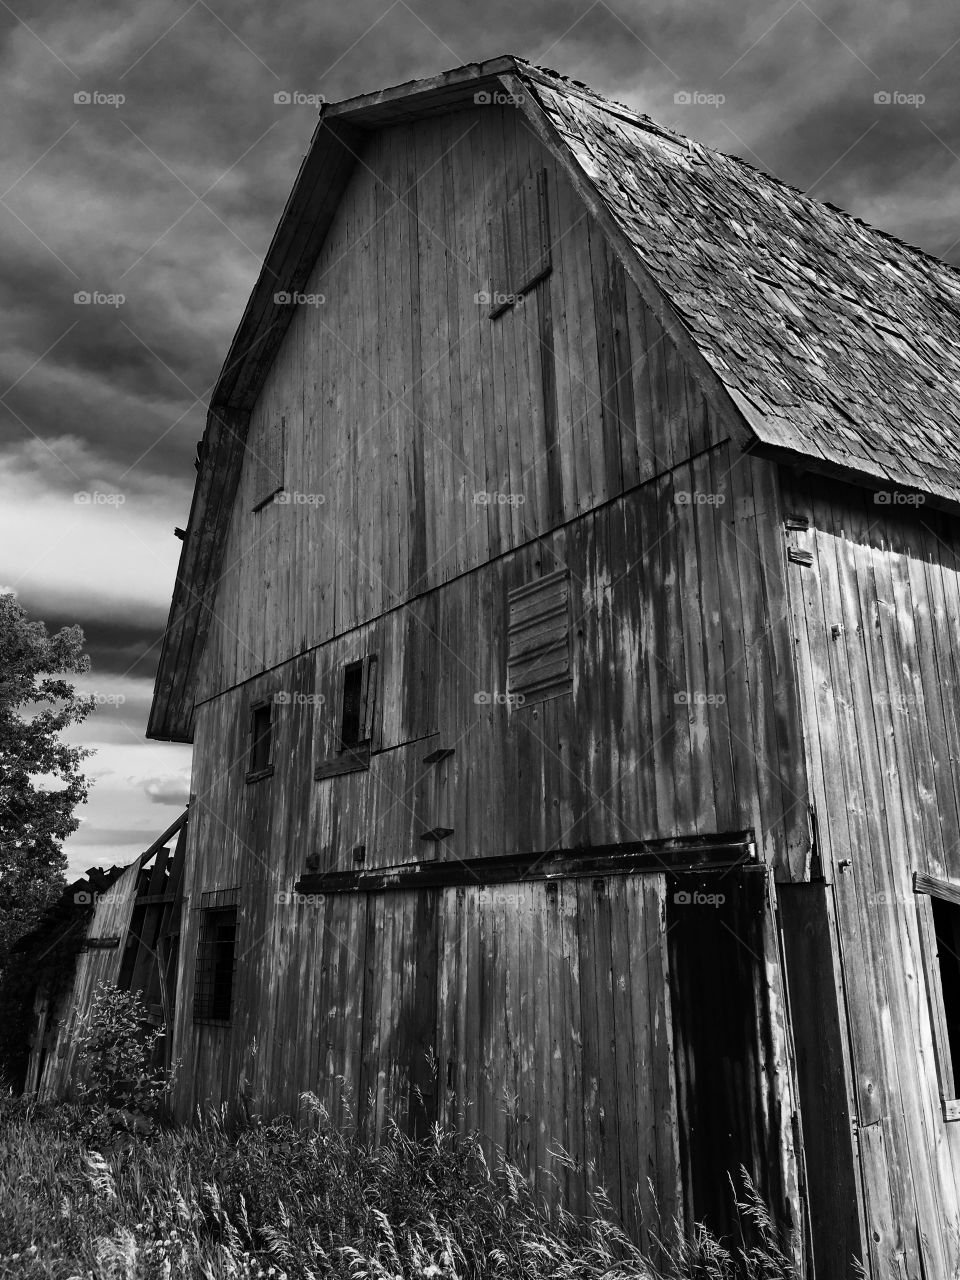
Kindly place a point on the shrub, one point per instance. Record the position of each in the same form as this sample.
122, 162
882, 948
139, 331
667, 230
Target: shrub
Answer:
114, 1071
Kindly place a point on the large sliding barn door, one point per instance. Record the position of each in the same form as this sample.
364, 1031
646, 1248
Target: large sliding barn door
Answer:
554, 1034
615, 1031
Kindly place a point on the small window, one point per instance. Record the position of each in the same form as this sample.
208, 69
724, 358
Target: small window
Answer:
350, 750
261, 741
946, 926
268, 463
358, 703
216, 959
351, 720
939, 907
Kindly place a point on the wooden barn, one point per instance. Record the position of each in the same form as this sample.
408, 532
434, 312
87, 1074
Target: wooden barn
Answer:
567, 630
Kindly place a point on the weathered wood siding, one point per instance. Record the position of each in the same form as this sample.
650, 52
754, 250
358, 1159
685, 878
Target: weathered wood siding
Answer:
682, 718
403, 400
111, 919
595, 454
543, 1016
679, 723
876, 618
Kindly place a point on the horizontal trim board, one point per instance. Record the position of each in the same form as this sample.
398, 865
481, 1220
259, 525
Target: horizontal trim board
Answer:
99, 944
699, 853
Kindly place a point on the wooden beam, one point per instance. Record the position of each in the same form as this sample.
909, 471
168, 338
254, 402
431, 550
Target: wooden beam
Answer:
701, 853
422, 97
161, 840
949, 892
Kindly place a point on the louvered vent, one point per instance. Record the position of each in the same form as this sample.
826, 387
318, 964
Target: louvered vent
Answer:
538, 638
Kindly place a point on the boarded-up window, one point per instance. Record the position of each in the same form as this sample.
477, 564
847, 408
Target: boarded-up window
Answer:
216, 956
519, 234
268, 462
538, 639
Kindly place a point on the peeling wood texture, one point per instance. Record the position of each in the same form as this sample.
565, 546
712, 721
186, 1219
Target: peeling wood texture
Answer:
599, 620
572, 582
876, 619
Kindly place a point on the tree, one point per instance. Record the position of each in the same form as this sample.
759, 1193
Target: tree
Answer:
40, 779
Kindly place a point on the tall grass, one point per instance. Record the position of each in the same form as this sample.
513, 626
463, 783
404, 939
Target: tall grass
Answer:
304, 1201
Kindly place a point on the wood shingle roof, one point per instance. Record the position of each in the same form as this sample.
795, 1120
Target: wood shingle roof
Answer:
835, 340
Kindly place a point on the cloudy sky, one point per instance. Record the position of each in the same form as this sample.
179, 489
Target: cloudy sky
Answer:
145, 159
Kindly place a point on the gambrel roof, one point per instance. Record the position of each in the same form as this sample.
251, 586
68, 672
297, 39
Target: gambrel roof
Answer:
836, 340
820, 339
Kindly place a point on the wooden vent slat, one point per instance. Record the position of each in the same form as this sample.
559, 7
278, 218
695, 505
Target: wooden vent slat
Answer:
532, 611
538, 639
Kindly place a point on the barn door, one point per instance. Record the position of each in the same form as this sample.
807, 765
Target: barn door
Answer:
600, 1031
820, 1020
554, 1036
733, 1088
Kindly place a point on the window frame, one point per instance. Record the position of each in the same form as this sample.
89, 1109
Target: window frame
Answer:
215, 904
354, 756
926, 888
254, 774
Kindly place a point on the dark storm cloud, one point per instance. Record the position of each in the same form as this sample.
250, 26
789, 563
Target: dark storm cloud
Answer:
170, 198
120, 647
